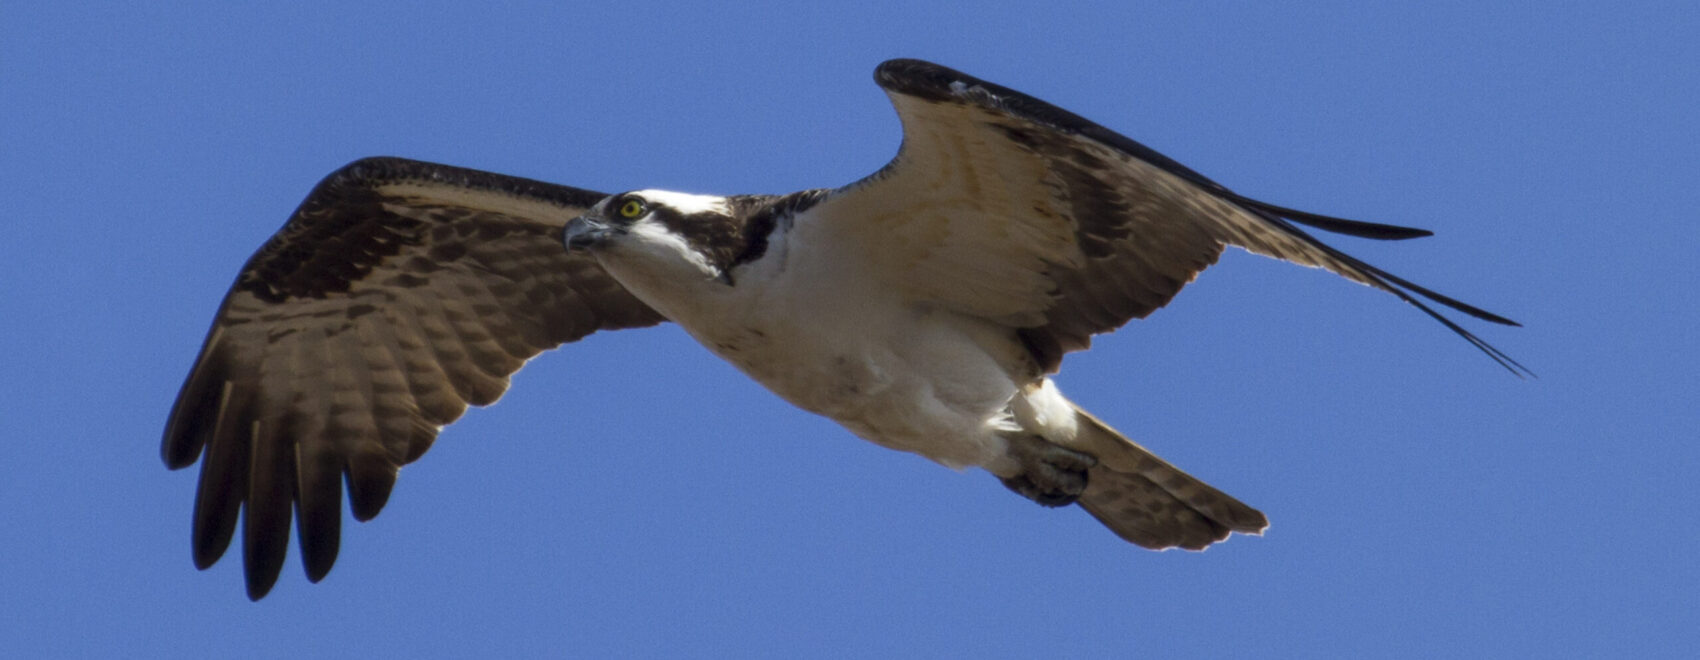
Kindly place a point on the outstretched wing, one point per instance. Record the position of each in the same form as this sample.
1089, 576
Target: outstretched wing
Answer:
398, 293
1004, 206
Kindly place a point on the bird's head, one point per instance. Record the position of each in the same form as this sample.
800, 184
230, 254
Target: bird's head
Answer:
680, 235
662, 244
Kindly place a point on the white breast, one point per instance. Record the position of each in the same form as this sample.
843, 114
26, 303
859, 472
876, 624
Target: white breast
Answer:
825, 337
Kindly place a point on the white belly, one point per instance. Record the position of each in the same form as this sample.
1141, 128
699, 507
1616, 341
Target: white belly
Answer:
905, 376
832, 340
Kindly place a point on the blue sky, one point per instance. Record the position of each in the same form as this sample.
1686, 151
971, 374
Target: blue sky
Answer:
633, 495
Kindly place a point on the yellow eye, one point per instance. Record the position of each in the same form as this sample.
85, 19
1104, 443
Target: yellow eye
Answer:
631, 208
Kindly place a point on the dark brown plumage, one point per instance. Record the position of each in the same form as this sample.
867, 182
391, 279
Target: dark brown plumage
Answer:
1145, 224
397, 294
400, 292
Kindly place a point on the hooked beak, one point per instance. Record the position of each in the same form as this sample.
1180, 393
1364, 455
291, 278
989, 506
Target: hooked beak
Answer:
583, 232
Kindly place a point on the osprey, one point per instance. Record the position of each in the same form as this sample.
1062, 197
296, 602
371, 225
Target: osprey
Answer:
923, 308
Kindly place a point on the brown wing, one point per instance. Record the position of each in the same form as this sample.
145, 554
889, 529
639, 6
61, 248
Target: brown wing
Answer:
1033, 215
398, 293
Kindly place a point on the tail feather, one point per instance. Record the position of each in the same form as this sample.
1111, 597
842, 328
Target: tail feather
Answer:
1147, 501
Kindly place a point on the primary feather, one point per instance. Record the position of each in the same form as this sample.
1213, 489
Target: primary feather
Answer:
922, 307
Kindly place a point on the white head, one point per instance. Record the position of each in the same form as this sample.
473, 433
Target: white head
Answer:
667, 247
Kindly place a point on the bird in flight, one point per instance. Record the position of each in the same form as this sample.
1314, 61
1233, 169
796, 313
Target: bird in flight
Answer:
923, 308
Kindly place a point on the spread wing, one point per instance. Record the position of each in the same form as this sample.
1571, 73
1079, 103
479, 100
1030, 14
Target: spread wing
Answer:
398, 293
1007, 207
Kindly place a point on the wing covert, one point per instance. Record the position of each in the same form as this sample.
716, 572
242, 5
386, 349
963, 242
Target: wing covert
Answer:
397, 294
1004, 206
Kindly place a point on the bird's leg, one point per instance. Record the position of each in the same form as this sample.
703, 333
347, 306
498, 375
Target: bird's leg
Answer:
1050, 475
